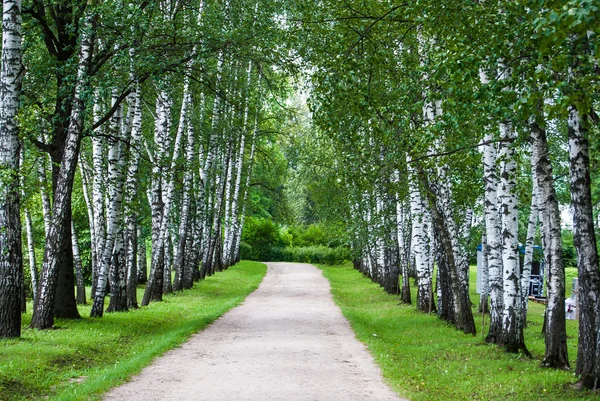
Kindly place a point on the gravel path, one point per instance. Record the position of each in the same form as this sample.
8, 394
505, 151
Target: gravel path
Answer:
288, 341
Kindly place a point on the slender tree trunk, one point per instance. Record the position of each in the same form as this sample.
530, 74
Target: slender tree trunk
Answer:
33, 272
485, 275
584, 239
555, 334
130, 209
11, 259
401, 232
493, 226
157, 268
78, 267
142, 262
529, 244
112, 264
184, 216
240, 224
420, 241
85, 180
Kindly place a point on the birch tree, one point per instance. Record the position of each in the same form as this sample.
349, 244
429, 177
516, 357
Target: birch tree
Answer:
43, 313
11, 263
556, 355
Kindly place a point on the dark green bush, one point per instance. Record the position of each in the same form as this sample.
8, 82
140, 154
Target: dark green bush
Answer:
304, 254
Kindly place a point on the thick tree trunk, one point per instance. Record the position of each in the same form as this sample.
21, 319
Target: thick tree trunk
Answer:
43, 313
11, 260
584, 239
555, 334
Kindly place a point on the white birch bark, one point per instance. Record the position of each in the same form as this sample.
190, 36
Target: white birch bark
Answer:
420, 242
584, 238
44, 194
556, 355
11, 263
162, 128
85, 183
493, 225
33, 272
529, 243
240, 224
511, 336
131, 187
117, 159
79, 279
162, 211
99, 179
402, 235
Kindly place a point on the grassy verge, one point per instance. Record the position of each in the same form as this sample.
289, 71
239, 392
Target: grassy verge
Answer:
81, 359
422, 358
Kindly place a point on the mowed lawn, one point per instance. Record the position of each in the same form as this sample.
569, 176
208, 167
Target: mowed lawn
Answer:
423, 358
80, 359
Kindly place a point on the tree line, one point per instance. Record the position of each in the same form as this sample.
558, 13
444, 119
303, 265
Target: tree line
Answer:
123, 122
441, 119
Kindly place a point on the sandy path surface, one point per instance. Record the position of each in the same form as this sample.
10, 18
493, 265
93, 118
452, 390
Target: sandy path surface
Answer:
288, 341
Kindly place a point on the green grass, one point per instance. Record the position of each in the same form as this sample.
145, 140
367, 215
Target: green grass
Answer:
422, 358
81, 359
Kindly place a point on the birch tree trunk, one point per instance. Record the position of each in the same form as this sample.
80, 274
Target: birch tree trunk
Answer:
511, 336
11, 260
154, 285
185, 214
584, 239
99, 179
529, 243
556, 355
156, 280
79, 279
402, 234
43, 313
493, 226
85, 180
117, 157
485, 274
33, 272
240, 223
420, 241
142, 263
131, 186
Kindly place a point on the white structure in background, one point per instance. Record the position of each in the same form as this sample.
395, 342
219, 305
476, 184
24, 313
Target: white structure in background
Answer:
536, 281
572, 303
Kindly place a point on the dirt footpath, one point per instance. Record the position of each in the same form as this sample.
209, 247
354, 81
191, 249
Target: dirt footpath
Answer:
288, 341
